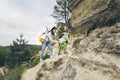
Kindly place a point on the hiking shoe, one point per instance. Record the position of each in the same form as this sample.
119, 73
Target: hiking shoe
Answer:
51, 56
41, 60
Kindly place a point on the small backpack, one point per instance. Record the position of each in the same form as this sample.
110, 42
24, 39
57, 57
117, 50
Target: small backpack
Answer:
62, 38
42, 38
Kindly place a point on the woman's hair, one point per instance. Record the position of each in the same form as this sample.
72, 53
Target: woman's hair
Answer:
54, 28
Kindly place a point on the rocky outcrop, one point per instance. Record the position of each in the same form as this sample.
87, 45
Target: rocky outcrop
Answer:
92, 57
3, 71
102, 40
89, 14
99, 52
86, 66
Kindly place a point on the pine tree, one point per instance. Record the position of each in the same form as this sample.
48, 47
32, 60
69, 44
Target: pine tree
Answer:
60, 10
18, 52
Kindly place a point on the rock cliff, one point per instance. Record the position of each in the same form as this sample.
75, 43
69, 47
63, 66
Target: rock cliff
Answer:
89, 14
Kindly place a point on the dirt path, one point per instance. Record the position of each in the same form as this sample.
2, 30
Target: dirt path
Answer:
94, 65
31, 74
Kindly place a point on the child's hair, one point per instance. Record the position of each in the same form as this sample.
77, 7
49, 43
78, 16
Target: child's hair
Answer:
61, 35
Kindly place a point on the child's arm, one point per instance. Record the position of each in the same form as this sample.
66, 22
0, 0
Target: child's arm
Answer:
68, 40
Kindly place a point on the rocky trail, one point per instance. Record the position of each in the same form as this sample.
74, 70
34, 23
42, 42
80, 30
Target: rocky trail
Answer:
87, 65
31, 74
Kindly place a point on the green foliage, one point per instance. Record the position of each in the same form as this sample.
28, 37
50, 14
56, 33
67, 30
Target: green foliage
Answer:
18, 53
1, 77
61, 30
32, 64
16, 58
60, 10
14, 74
44, 67
46, 56
3, 53
34, 49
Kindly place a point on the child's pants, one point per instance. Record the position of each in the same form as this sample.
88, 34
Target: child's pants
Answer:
62, 46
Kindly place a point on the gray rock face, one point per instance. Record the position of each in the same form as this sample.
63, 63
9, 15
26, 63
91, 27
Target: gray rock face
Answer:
90, 14
69, 73
99, 54
104, 40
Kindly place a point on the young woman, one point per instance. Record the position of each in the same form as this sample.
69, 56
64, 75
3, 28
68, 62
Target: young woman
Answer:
48, 40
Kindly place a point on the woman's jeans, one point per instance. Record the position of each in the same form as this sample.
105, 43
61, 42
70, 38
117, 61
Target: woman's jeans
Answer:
44, 44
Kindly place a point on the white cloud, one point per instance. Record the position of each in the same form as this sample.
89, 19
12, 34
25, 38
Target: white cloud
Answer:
29, 17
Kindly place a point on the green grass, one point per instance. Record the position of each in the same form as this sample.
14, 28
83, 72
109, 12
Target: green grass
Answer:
1, 77
46, 56
14, 74
32, 64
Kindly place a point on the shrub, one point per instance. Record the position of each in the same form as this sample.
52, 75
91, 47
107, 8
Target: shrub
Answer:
3, 53
46, 56
44, 67
33, 63
14, 74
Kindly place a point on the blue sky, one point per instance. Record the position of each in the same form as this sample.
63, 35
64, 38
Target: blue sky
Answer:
29, 17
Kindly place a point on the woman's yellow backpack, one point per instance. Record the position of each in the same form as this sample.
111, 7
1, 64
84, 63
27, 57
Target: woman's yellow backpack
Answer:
42, 38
